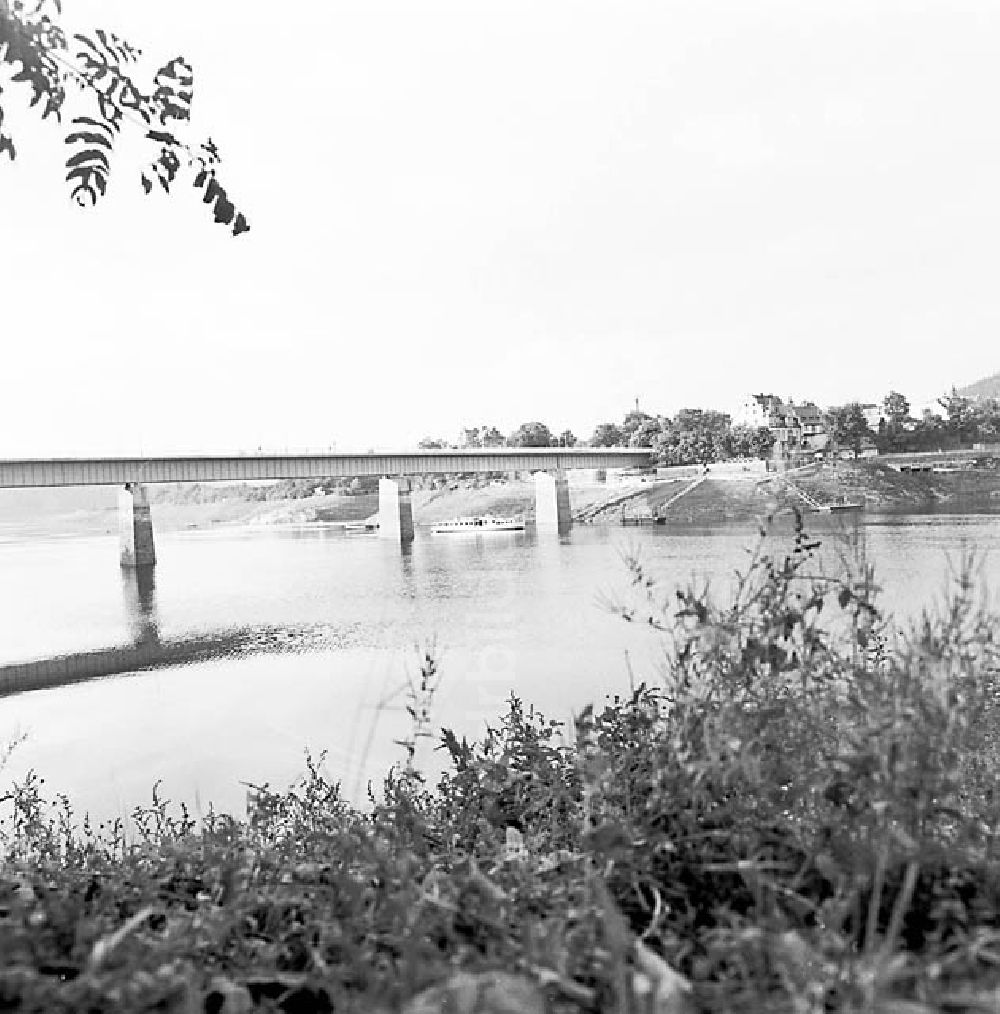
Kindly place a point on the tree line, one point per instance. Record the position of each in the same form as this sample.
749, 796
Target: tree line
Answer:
693, 436
961, 422
529, 434
702, 436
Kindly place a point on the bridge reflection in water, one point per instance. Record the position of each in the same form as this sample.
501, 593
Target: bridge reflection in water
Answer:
148, 650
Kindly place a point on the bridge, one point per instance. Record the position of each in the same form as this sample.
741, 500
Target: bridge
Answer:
549, 464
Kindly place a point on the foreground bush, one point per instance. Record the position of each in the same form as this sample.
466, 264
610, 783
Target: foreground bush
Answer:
801, 818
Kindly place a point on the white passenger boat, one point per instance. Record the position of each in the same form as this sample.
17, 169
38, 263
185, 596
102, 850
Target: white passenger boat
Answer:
360, 527
478, 525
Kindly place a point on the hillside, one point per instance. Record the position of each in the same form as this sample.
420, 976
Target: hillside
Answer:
879, 487
988, 387
876, 486
17, 504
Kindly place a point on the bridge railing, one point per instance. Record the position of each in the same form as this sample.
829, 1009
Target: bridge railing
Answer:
109, 471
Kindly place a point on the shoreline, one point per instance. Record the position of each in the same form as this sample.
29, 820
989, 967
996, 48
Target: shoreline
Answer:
877, 488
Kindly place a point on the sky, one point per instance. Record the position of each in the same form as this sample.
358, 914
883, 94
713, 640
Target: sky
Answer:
487, 213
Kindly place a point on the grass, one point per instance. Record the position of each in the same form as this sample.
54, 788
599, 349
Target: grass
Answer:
802, 817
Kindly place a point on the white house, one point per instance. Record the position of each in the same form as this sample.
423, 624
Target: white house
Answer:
795, 426
874, 415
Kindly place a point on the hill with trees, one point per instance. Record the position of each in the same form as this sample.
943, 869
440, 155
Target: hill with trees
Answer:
694, 436
987, 388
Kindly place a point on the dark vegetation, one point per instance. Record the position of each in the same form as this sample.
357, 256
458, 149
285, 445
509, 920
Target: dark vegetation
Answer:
693, 436
698, 436
93, 76
529, 434
963, 422
801, 817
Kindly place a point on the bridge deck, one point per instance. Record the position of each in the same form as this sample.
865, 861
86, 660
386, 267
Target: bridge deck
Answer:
240, 467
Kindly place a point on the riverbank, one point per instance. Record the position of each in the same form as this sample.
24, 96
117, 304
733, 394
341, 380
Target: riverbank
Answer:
871, 486
883, 488
719, 498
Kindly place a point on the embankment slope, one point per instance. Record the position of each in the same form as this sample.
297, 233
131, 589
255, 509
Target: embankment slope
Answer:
874, 486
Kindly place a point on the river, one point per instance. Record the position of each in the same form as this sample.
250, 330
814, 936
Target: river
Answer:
264, 643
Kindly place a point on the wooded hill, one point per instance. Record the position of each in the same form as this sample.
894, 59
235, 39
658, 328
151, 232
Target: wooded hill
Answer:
988, 387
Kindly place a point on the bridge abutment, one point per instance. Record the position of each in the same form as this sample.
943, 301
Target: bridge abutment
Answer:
395, 511
135, 527
552, 508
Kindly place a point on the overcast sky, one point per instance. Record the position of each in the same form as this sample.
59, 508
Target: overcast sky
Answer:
493, 212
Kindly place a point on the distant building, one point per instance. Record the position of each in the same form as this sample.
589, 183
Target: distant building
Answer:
795, 426
808, 419
874, 416
756, 410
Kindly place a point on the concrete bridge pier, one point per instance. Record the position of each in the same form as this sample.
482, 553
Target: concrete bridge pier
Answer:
552, 509
395, 512
135, 527
139, 592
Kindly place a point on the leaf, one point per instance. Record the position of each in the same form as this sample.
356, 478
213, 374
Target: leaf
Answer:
162, 137
212, 191
91, 122
92, 59
109, 46
88, 137
109, 51
224, 212
31, 41
173, 95
86, 156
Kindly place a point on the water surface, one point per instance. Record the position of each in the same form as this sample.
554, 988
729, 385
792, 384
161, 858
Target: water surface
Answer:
304, 637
